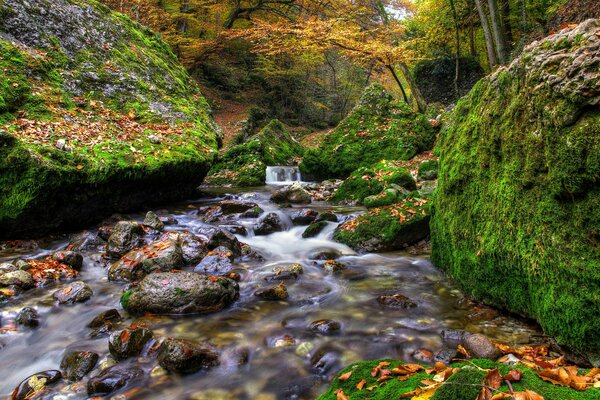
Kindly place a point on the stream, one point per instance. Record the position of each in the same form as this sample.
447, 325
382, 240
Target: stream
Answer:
281, 357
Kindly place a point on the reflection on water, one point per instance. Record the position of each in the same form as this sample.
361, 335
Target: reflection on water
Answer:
285, 359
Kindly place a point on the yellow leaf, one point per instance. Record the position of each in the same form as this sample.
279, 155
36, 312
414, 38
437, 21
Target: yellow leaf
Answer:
79, 167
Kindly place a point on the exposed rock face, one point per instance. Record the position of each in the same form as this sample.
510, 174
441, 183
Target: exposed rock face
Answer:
515, 219
180, 293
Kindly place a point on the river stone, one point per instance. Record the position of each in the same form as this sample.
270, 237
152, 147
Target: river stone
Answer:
74, 292
70, 258
325, 326
333, 267
217, 261
314, 229
28, 317
294, 194
186, 356
277, 292
396, 301
8, 267
129, 342
24, 390
125, 236
235, 229
75, 365
220, 237
87, 241
108, 316
112, 379
324, 253
479, 346
153, 221
161, 255
285, 272
327, 216
19, 278
252, 213
268, 224
180, 293
236, 206
304, 217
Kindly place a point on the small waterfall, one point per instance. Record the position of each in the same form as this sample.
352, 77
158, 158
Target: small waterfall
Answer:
280, 175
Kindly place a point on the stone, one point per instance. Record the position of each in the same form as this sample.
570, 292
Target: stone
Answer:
112, 379
129, 342
186, 356
293, 194
236, 206
252, 213
180, 293
396, 301
153, 221
108, 317
28, 317
324, 253
314, 229
304, 217
268, 224
71, 258
235, 229
325, 326
75, 365
479, 346
333, 267
19, 278
45, 378
125, 236
220, 237
285, 272
327, 216
74, 292
277, 292
193, 248
218, 261
160, 255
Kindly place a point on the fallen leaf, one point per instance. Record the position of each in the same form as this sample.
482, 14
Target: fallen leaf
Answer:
344, 377
340, 395
514, 375
361, 384
493, 379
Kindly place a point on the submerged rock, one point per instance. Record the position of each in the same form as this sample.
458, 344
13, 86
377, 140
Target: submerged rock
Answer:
218, 261
186, 356
75, 365
325, 326
180, 293
112, 379
397, 301
76, 292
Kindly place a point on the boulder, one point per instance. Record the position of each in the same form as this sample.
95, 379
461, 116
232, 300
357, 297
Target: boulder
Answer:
252, 213
236, 206
327, 216
129, 342
186, 356
87, 241
479, 346
293, 194
314, 229
28, 317
75, 365
218, 261
161, 255
153, 221
268, 224
112, 379
277, 292
304, 217
42, 379
220, 237
71, 258
75, 292
180, 293
19, 278
125, 236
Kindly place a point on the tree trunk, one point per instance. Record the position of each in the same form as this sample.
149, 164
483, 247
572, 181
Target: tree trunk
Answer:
507, 24
457, 50
489, 42
395, 76
416, 92
498, 29
472, 48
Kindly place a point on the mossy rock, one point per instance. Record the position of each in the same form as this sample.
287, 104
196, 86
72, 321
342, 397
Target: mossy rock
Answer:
385, 198
387, 228
380, 127
245, 164
370, 181
98, 117
428, 170
515, 219
463, 385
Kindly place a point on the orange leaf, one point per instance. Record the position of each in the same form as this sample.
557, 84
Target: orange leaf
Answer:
340, 395
361, 384
514, 375
493, 379
344, 377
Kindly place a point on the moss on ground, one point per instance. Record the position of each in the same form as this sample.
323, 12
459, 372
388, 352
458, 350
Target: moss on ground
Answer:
92, 126
515, 218
379, 128
463, 385
387, 228
245, 164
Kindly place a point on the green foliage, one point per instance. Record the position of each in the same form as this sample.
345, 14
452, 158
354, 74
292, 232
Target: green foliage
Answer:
428, 169
378, 128
245, 164
385, 198
516, 219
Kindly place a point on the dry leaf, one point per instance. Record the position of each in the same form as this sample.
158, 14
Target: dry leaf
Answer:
493, 379
361, 384
340, 395
344, 377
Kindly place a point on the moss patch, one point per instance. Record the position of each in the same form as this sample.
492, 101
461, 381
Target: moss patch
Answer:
379, 128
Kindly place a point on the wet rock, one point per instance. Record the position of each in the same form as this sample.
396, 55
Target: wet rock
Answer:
327, 216
423, 356
453, 335
218, 261
333, 266
19, 278
324, 254
445, 356
294, 194
70, 258
304, 217
129, 342
193, 248
211, 214
153, 221
252, 213
286, 272
396, 301
180, 293
235, 229
282, 341
325, 360
125, 236
161, 255
325, 326
112, 379
219, 237
75, 292
479, 346
35, 382
168, 220
21, 264
277, 292
314, 229
75, 365
8, 267
236, 206
185, 356
28, 317
268, 224
248, 254
104, 322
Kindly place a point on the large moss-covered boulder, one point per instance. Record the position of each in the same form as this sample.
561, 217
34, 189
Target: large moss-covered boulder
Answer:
515, 219
387, 228
380, 127
245, 164
96, 116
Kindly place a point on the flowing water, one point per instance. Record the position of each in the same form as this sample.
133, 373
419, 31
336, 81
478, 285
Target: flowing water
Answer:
284, 358
281, 175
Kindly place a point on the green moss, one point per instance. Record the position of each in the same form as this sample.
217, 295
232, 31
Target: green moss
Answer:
314, 229
380, 127
515, 219
385, 198
125, 298
463, 385
245, 164
428, 170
